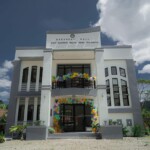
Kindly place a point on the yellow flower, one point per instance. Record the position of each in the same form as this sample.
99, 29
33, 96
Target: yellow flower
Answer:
85, 75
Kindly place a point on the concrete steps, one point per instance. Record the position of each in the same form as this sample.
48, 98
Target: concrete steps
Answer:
72, 135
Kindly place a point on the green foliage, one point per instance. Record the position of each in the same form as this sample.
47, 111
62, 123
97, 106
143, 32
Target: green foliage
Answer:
17, 128
3, 119
125, 131
144, 81
137, 131
51, 130
145, 113
2, 138
96, 126
147, 131
3, 106
53, 78
146, 118
38, 123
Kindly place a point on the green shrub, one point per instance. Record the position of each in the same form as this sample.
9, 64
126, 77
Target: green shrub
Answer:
51, 130
2, 138
137, 131
38, 123
147, 131
125, 131
19, 129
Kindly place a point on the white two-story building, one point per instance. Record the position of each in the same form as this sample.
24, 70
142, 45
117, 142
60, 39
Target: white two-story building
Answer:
74, 82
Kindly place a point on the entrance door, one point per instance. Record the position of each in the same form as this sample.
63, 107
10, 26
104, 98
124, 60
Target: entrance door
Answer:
79, 117
73, 117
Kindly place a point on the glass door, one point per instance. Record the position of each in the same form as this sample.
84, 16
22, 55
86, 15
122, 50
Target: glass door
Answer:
68, 117
72, 117
79, 117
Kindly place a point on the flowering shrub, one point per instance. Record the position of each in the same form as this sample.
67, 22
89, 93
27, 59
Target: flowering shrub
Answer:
73, 75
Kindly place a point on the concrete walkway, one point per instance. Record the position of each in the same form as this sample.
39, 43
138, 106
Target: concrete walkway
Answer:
79, 144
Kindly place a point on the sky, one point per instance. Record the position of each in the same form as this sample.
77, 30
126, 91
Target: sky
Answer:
25, 22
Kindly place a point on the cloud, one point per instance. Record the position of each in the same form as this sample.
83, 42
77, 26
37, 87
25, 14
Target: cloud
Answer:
5, 82
127, 21
8, 64
4, 94
5, 69
146, 69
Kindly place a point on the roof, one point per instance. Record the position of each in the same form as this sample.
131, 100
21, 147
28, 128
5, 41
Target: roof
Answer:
86, 30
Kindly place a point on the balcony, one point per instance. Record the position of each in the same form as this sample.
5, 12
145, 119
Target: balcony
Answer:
74, 84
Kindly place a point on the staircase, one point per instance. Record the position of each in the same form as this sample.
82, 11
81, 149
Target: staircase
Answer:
72, 135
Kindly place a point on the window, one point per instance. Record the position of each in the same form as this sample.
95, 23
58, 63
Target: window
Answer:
106, 72
116, 92
38, 113
80, 68
122, 72
41, 73
113, 70
108, 93
21, 113
30, 112
25, 75
125, 93
33, 74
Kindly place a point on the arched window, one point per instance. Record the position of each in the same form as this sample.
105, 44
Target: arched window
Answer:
116, 91
33, 74
25, 75
125, 95
108, 93
41, 73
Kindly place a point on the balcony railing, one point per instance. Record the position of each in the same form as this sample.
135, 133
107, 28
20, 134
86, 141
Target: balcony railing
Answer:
74, 83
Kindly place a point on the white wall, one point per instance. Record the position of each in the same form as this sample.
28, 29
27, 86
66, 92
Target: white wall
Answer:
81, 40
117, 53
118, 64
122, 116
28, 53
29, 64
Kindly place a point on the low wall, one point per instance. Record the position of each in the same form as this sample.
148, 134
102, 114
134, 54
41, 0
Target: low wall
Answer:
36, 133
112, 132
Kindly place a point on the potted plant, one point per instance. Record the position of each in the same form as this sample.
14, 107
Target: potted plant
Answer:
98, 131
18, 131
2, 138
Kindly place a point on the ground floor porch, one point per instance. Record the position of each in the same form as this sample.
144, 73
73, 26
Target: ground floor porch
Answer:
69, 113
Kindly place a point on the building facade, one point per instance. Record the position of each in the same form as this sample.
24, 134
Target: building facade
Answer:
74, 83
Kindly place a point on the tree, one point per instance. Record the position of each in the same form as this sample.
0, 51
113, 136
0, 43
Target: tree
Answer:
144, 89
3, 105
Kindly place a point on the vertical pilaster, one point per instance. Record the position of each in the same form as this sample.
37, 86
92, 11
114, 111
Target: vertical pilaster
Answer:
26, 109
101, 86
17, 109
13, 99
46, 87
35, 108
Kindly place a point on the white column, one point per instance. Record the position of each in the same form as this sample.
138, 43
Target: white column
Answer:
17, 109
26, 109
35, 108
101, 86
46, 88
29, 78
37, 78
